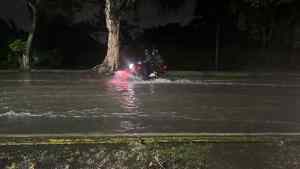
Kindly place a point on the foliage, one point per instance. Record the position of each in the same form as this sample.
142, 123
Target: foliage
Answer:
9, 57
3, 57
51, 58
258, 17
90, 10
18, 46
120, 7
265, 3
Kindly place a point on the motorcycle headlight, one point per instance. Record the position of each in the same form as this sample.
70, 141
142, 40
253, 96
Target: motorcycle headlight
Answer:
131, 66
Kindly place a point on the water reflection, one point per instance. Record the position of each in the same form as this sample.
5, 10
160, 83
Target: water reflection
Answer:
124, 92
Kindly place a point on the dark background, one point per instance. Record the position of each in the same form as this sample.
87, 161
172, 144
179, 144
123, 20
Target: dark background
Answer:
58, 44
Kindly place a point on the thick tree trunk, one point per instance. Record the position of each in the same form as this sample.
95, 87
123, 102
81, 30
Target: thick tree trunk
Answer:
112, 59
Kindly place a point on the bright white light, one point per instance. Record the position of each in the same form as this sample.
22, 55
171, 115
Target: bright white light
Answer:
152, 75
131, 66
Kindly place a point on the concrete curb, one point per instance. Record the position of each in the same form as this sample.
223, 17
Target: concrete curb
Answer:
149, 138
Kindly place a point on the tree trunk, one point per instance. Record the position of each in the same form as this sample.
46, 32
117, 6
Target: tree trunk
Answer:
266, 42
218, 30
25, 60
264, 46
292, 40
112, 59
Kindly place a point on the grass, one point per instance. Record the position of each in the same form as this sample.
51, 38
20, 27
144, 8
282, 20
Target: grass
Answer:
151, 151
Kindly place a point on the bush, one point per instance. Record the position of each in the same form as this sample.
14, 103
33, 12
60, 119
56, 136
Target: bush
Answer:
9, 57
18, 47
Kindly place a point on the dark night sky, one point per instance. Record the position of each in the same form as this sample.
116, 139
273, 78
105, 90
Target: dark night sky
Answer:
15, 12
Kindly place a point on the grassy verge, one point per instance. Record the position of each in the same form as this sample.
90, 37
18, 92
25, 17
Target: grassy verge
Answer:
151, 151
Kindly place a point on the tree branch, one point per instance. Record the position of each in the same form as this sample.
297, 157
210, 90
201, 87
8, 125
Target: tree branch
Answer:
32, 7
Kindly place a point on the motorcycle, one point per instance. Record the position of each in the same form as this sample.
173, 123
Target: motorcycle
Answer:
152, 67
146, 72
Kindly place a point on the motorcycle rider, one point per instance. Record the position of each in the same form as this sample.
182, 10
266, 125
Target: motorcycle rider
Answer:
151, 66
157, 59
147, 62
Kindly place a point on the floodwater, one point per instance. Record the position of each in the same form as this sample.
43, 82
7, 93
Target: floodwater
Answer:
80, 102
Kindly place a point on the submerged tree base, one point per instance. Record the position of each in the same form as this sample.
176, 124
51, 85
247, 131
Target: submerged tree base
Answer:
103, 69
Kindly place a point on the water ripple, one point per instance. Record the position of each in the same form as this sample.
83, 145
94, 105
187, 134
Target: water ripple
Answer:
215, 82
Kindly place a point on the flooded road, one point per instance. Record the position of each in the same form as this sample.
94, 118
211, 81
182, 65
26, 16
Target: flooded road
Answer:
78, 102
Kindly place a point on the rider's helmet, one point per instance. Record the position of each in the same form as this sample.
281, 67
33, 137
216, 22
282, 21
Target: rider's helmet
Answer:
147, 57
146, 52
